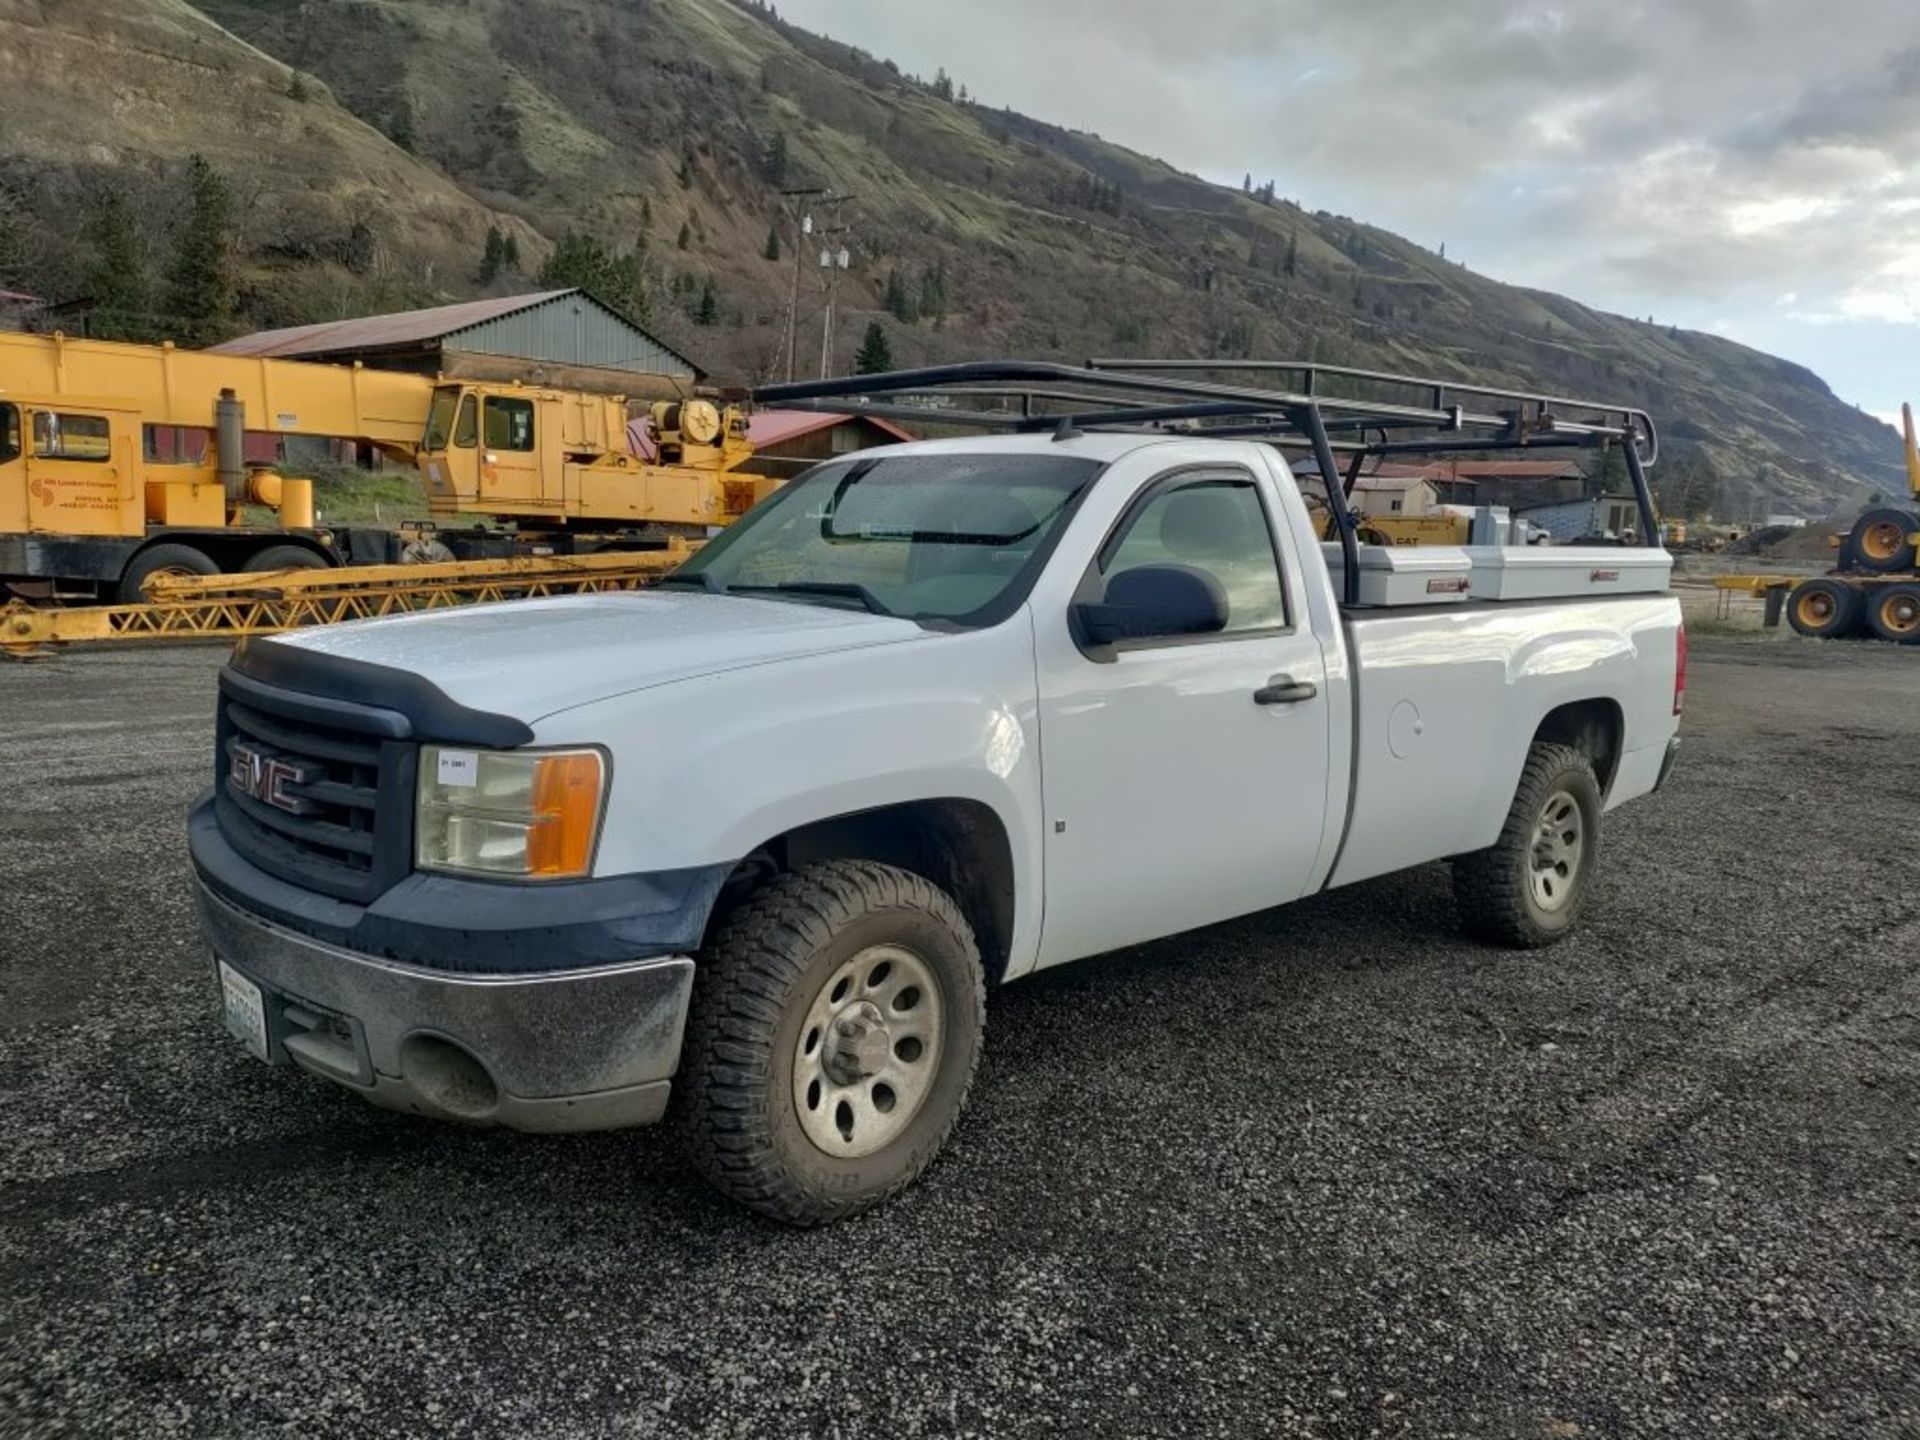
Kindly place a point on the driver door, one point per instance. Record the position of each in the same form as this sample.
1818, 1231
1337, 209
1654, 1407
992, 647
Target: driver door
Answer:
1185, 777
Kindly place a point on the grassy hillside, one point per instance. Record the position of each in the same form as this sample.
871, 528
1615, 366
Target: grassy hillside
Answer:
668, 127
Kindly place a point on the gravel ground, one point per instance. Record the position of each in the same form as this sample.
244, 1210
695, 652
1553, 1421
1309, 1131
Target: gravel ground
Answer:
1328, 1171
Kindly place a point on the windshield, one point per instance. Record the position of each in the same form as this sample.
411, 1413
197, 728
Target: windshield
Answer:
446, 400
954, 538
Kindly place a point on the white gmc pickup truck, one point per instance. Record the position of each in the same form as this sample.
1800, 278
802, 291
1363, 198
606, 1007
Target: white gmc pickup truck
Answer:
752, 846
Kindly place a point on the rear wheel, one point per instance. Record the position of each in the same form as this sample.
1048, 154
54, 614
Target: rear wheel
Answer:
1878, 542
1824, 609
284, 557
835, 1027
1528, 888
158, 560
1893, 612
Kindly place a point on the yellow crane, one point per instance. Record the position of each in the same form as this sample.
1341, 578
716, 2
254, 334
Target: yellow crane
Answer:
108, 479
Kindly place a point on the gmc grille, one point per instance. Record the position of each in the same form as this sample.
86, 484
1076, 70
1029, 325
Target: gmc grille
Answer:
325, 804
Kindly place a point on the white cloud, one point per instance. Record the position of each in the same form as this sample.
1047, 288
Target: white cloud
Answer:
1654, 156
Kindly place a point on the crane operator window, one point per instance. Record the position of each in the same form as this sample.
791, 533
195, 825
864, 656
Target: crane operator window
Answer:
508, 424
71, 437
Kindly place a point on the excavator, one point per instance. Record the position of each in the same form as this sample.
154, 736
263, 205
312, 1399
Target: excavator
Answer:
125, 464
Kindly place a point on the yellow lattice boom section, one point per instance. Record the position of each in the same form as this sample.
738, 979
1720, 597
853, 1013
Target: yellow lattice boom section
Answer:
230, 606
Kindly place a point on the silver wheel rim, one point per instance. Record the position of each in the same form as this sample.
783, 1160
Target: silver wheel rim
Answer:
1559, 841
867, 1052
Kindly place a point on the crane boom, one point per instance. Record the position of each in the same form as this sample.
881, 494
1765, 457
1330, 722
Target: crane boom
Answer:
1913, 452
169, 386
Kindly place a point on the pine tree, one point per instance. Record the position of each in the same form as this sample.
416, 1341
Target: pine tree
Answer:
686, 171
773, 164
493, 259
933, 293
875, 355
201, 284
1246, 185
942, 84
578, 261
581, 262
686, 235
772, 250
510, 254
708, 311
1443, 249
1293, 253
117, 282
899, 300
399, 126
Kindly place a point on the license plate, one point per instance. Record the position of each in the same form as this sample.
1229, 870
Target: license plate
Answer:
245, 1009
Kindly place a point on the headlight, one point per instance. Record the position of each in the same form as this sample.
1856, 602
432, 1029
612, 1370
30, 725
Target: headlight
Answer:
528, 813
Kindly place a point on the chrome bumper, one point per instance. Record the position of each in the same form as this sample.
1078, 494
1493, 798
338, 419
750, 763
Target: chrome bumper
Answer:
590, 1049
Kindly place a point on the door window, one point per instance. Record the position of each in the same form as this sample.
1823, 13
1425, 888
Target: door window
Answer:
58, 436
1215, 523
508, 424
465, 426
9, 433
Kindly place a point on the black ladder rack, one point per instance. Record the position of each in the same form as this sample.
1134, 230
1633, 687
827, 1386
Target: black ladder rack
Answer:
1329, 410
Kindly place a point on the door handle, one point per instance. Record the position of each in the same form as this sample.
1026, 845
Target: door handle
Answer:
1285, 690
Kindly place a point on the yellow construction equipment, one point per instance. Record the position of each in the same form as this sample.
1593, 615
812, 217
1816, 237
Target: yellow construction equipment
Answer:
1875, 587
226, 607
1443, 528
106, 480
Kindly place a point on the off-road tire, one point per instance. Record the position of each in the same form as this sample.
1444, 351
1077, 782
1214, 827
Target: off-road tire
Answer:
284, 557
1825, 609
1491, 887
161, 560
734, 1097
1877, 543
1893, 613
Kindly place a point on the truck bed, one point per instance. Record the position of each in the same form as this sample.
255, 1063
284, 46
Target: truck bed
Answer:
1443, 713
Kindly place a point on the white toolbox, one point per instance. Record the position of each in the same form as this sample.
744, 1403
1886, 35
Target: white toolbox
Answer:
1406, 574
1546, 572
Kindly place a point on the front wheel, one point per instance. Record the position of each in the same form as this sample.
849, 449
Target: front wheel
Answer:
1527, 889
835, 1026
157, 561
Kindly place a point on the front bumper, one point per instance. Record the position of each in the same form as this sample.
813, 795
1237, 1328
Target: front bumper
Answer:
591, 1048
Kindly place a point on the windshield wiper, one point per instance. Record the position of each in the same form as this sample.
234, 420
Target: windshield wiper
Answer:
698, 580
837, 589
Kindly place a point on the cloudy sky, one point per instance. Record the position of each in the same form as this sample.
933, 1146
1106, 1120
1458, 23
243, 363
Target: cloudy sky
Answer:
1750, 167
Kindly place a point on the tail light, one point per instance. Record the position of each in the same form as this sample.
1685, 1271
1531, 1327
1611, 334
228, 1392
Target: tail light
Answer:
1680, 670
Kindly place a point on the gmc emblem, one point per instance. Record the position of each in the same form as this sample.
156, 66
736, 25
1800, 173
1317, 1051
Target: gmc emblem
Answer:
266, 777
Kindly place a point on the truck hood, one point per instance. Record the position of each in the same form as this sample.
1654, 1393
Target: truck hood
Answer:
532, 658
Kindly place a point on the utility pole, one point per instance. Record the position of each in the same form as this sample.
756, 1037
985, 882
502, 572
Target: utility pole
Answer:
834, 259
802, 228
833, 264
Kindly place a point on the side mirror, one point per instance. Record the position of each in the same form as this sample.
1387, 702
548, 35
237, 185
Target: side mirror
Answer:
1153, 602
